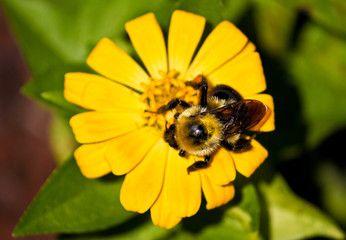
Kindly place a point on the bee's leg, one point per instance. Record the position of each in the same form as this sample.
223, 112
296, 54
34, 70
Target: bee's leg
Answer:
176, 115
182, 153
227, 93
173, 104
241, 145
169, 136
200, 82
199, 165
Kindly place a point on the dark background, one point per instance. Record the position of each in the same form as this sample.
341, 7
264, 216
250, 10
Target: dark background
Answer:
25, 157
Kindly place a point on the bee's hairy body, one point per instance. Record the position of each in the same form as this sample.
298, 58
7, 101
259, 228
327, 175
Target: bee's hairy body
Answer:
218, 121
208, 127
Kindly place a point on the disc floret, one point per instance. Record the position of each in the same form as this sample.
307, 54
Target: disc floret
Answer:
160, 91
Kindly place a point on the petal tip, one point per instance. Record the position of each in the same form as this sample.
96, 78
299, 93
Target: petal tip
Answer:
182, 12
103, 42
135, 20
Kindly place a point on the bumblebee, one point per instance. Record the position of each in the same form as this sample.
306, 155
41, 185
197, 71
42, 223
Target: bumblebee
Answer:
218, 121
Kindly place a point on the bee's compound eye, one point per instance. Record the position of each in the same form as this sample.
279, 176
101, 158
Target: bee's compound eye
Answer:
198, 132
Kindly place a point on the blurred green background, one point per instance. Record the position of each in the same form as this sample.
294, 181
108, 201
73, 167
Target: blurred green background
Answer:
303, 49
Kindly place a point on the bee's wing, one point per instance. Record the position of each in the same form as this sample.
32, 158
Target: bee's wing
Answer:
240, 116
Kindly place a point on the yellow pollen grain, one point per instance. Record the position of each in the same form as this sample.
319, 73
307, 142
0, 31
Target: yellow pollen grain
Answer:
167, 86
159, 82
157, 91
151, 121
153, 105
181, 84
173, 73
180, 94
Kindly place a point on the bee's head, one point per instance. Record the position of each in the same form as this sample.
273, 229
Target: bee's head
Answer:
198, 135
196, 132
192, 133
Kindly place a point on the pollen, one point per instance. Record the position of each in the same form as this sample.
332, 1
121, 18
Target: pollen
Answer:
160, 91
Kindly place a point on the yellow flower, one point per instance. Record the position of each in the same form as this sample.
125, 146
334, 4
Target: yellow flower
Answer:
119, 136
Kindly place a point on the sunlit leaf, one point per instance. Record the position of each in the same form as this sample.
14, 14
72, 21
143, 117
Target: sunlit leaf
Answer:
71, 203
61, 138
57, 99
239, 222
47, 87
291, 217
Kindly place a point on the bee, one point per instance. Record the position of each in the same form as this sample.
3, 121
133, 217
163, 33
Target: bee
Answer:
217, 121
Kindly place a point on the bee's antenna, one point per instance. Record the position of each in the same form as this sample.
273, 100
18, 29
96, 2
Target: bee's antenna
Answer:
255, 135
149, 111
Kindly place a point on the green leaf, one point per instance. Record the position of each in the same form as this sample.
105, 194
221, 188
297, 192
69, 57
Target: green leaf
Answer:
48, 86
71, 203
290, 217
233, 10
138, 228
329, 15
274, 26
56, 98
239, 222
332, 182
210, 9
65, 31
318, 69
61, 138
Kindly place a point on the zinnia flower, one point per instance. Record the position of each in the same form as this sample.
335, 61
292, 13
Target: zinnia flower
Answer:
118, 135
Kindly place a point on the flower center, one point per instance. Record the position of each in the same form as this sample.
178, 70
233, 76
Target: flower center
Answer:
160, 91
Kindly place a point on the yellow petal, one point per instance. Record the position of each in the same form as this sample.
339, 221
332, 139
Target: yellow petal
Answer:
223, 43
91, 161
95, 126
147, 38
244, 74
126, 151
98, 93
112, 62
185, 32
160, 212
111, 96
222, 169
183, 189
75, 84
143, 184
267, 124
215, 194
247, 162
